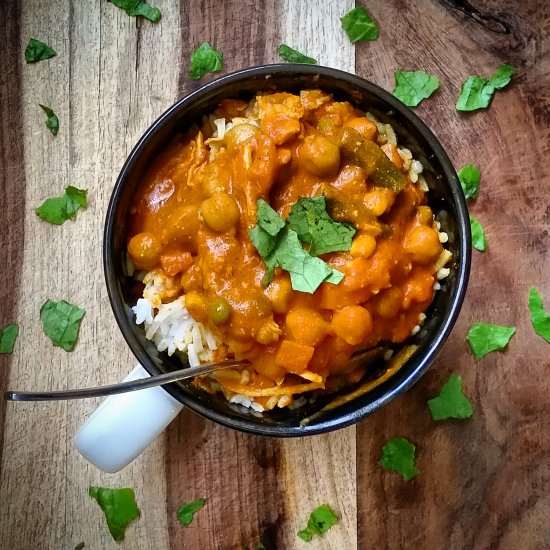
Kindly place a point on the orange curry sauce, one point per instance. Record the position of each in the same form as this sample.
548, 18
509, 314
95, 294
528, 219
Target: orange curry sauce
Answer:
198, 199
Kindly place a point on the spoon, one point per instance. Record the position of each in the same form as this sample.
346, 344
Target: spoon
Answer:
123, 387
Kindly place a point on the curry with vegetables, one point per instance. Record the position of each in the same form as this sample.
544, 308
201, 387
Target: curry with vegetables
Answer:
297, 232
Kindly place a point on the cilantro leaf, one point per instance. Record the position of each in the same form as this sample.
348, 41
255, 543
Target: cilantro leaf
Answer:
57, 210
479, 239
476, 93
484, 338
469, 177
451, 402
319, 522
61, 323
268, 219
205, 59
80, 546
119, 507
8, 336
38, 51
52, 122
294, 56
359, 25
306, 271
398, 455
502, 76
186, 512
540, 319
309, 218
411, 87
138, 8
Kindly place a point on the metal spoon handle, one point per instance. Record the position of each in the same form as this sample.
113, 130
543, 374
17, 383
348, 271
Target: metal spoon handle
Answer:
123, 387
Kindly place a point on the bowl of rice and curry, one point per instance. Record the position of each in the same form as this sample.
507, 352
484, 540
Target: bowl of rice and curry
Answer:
299, 219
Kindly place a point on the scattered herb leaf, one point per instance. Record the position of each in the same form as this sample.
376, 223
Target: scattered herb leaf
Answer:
57, 210
52, 122
502, 76
61, 323
138, 8
540, 319
398, 455
477, 91
479, 239
205, 59
80, 546
319, 522
186, 512
469, 177
38, 51
119, 507
485, 338
359, 25
8, 336
411, 87
451, 402
294, 56
311, 221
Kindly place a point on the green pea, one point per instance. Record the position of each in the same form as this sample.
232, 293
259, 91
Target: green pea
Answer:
219, 311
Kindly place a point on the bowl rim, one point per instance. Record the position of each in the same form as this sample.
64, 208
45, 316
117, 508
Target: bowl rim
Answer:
449, 318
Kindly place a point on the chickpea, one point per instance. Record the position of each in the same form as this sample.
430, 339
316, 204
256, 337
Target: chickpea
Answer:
219, 311
424, 215
422, 243
353, 324
239, 134
367, 128
196, 306
388, 303
145, 249
182, 225
363, 246
320, 156
306, 326
220, 212
376, 201
279, 292
213, 180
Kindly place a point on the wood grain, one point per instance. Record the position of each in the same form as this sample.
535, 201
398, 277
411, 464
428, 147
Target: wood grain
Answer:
484, 483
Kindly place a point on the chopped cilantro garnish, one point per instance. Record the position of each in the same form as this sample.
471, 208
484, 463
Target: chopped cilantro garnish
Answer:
540, 319
398, 455
479, 239
38, 51
412, 87
310, 219
484, 338
186, 512
52, 122
119, 507
8, 336
319, 522
57, 210
205, 59
279, 246
138, 8
477, 91
451, 402
294, 56
359, 25
61, 323
469, 177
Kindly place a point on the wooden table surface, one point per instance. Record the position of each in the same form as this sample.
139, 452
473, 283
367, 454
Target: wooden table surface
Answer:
484, 483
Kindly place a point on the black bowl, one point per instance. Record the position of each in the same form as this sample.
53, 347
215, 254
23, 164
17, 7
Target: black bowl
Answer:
446, 199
